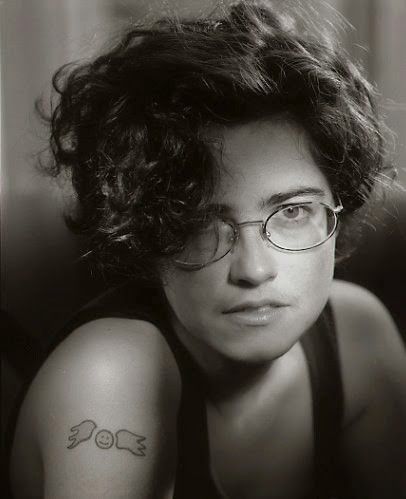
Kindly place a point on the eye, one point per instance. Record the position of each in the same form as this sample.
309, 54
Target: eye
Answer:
295, 212
291, 211
293, 216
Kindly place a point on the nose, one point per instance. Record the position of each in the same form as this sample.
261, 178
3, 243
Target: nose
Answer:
253, 259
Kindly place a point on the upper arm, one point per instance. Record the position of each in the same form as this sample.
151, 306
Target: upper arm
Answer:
103, 410
373, 363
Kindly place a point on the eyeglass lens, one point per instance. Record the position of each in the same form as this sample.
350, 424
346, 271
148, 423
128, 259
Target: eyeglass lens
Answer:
300, 226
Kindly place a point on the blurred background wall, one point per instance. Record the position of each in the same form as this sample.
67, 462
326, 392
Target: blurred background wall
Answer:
42, 279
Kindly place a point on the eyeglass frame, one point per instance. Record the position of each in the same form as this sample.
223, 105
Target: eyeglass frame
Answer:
236, 229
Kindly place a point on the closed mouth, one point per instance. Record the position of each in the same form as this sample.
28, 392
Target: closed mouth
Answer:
255, 307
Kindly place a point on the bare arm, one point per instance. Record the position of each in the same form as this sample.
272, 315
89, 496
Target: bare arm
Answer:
103, 412
374, 373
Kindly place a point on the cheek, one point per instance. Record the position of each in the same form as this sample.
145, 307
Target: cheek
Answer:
303, 278
311, 274
193, 294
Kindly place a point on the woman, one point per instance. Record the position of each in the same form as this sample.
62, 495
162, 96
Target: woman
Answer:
214, 162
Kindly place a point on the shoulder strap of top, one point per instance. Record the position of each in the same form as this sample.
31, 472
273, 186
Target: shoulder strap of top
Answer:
128, 300
193, 477
321, 350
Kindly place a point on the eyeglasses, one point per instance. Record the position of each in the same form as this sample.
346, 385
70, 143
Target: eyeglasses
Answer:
292, 227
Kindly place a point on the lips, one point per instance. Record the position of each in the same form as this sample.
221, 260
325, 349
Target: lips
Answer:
254, 305
260, 313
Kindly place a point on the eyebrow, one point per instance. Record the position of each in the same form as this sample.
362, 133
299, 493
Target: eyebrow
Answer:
280, 197
277, 198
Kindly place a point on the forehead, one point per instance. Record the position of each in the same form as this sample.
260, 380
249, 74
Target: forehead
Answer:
261, 159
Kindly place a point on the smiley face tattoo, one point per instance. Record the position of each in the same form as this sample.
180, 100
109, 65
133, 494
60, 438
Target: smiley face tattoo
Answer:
104, 439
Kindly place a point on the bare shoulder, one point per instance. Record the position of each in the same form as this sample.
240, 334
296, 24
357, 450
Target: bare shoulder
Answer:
369, 341
364, 321
104, 403
114, 355
373, 365
372, 353
357, 303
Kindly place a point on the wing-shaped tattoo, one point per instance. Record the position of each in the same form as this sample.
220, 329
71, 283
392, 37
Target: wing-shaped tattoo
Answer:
81, 432
131, 442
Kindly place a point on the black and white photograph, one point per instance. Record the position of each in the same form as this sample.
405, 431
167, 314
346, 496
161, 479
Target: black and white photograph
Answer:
203, 249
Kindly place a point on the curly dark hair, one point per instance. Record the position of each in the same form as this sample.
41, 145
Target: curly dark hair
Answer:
129, 126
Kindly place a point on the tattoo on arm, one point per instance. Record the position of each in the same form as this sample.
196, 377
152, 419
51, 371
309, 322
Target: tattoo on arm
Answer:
81, 432
105, 439
131, 442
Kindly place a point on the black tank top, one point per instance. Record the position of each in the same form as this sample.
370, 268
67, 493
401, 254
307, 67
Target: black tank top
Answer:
193, 478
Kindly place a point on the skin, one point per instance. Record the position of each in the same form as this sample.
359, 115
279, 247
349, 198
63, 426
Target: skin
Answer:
120, 375
260, 160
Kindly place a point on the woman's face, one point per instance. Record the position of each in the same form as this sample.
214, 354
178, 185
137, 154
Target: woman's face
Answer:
256, 302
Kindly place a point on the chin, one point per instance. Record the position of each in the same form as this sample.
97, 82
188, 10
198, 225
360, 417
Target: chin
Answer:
257, 345
264, 343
